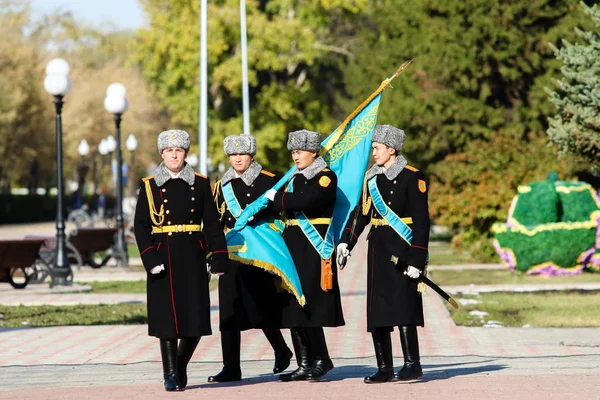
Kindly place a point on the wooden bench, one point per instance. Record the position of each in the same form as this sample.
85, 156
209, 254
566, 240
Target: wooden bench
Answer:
19, 261
87, 246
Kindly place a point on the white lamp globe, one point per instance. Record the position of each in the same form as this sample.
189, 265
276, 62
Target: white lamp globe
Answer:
131, 142
57, 85
115, 104
192, 159
116, 89
83, 148
102, 147
57, 66
111, 143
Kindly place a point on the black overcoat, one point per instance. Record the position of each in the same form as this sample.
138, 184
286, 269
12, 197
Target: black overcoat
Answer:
392, 297
316, 198
178, 298
248, 296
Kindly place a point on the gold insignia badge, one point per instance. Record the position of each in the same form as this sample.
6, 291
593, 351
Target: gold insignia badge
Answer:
237, 143
422, 186
173, 136
324, 181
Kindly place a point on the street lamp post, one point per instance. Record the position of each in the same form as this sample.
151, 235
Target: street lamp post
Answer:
58, 84
116, 104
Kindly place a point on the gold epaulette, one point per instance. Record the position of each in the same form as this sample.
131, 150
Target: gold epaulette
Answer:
157, 217
216, 192
326, 170
366, 198
217, 189
411, 168
200, 175
267, 173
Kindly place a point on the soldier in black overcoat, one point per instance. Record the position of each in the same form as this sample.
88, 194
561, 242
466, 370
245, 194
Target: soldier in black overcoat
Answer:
248, 295
176, 221
392, 295
311, 192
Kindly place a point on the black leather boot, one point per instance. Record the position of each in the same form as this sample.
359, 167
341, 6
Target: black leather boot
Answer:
322, 364
185, 351
410, 348
383, 352
168, 352
303, 357
230, 346
283, 354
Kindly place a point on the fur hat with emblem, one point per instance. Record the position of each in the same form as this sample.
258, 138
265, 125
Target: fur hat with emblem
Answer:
173, 138
390, 136
240, 144
304, 140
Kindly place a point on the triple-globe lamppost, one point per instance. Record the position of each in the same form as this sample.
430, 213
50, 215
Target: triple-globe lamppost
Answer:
115, 103
58, 84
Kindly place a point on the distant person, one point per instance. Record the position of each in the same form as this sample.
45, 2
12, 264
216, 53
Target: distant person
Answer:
76, 199
394, 202
101, 203
177, 229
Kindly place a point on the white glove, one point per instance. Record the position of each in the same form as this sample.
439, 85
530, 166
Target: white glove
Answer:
157, 269
342, 252
210, 272
412, 272
270, 194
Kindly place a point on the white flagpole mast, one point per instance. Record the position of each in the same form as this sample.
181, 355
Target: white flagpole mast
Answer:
245, 91
203, 113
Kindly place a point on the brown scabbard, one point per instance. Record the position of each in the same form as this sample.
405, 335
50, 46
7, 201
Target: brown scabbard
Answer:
326, 275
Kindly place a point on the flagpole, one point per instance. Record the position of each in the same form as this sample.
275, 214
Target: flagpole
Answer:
203, 112
245, 88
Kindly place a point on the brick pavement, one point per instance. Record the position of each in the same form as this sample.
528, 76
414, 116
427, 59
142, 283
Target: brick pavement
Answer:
118, 361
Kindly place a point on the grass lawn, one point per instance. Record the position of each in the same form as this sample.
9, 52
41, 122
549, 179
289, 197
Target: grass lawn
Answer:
132, 251
442, 253
567, 309
129, 286
499, 276
100, 314
29, 316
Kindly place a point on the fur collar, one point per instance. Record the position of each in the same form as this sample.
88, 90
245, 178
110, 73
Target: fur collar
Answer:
249, 175
313, 169
392, 172
162, 175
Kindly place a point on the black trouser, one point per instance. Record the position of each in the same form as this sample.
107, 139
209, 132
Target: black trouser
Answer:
231, 345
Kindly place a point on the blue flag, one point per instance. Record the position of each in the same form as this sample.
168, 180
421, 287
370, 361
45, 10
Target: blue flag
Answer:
346, 150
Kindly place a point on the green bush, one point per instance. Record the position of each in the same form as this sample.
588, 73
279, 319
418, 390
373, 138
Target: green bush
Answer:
537, 204
560, 246
576, 200
27, 208
17, 209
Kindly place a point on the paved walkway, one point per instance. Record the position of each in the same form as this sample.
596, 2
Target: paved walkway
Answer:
114, 362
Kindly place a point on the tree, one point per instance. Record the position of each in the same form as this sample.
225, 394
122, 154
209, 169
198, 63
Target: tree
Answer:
292, 76
576, 127
26, 136
97, 58
477, 82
